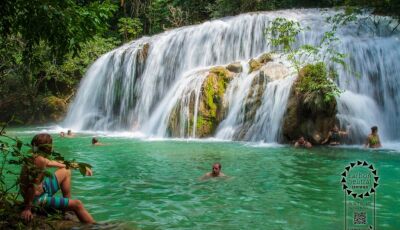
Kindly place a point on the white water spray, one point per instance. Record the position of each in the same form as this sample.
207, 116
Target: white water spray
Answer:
135, 87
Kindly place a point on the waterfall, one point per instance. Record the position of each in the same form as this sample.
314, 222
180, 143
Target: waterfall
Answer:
137, 86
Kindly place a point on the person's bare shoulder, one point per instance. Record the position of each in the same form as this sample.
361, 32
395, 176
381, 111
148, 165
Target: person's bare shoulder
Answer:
40, 161
205, 176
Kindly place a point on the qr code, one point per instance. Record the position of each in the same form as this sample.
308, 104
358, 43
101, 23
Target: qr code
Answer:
360, 218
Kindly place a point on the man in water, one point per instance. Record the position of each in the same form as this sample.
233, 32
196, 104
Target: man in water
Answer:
37, 188
216, 172
96, 142
373, 140
334, 136
302, 143
70, 134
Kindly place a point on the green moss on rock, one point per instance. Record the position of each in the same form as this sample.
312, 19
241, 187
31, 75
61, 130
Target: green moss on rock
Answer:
210, 108
54, 108
312, 107
265, 58
254, 65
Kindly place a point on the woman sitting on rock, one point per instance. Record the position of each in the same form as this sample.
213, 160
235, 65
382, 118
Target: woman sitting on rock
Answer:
39, 189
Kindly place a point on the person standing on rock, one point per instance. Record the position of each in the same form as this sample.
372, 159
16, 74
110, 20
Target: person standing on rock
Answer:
335, 135
373, 140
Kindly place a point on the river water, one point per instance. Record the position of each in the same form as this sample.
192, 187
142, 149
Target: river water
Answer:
154, 183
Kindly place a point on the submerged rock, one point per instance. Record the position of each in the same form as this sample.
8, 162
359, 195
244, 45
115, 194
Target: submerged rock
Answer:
308, 114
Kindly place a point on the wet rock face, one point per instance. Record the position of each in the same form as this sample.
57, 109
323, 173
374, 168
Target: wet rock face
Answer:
253, 101
212, 107
141, 58
210, 110
307, 115
54, 109
256, 64
235, 67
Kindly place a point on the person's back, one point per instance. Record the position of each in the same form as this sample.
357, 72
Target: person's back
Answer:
39, 189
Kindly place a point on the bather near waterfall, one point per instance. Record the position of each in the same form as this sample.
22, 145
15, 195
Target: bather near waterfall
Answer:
161, 87
373, 140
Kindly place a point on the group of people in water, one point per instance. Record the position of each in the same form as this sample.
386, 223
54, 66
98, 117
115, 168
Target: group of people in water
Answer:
335, 135
39, 189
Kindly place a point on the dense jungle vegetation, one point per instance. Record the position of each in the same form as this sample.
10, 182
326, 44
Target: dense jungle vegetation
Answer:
46, 45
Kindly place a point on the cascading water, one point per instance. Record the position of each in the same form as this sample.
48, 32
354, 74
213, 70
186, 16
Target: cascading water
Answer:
136, 87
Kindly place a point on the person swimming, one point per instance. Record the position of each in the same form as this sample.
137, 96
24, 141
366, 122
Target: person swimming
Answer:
335, 135
373, 140
70, 134
216, 172
96, 142
302, 143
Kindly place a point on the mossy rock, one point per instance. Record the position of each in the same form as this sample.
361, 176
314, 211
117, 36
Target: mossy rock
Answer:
307, 113
254, 65
54, 108
222, 73
265, 58
211, 110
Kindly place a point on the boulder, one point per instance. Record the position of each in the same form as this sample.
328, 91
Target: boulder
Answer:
211, 110
254, 65
265, 58
308, 114
54, 108
235, 67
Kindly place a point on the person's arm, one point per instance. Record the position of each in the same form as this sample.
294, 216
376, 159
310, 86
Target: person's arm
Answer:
205, 176
326, 139
308, 145
379, 142
296, 144
366, 145
29, 195
57, 164
345, 133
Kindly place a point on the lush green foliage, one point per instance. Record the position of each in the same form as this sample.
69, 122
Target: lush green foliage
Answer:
14, 155
315, 81
129, 28
47, 45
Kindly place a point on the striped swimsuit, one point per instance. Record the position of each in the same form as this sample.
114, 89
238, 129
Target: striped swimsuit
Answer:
50, 187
